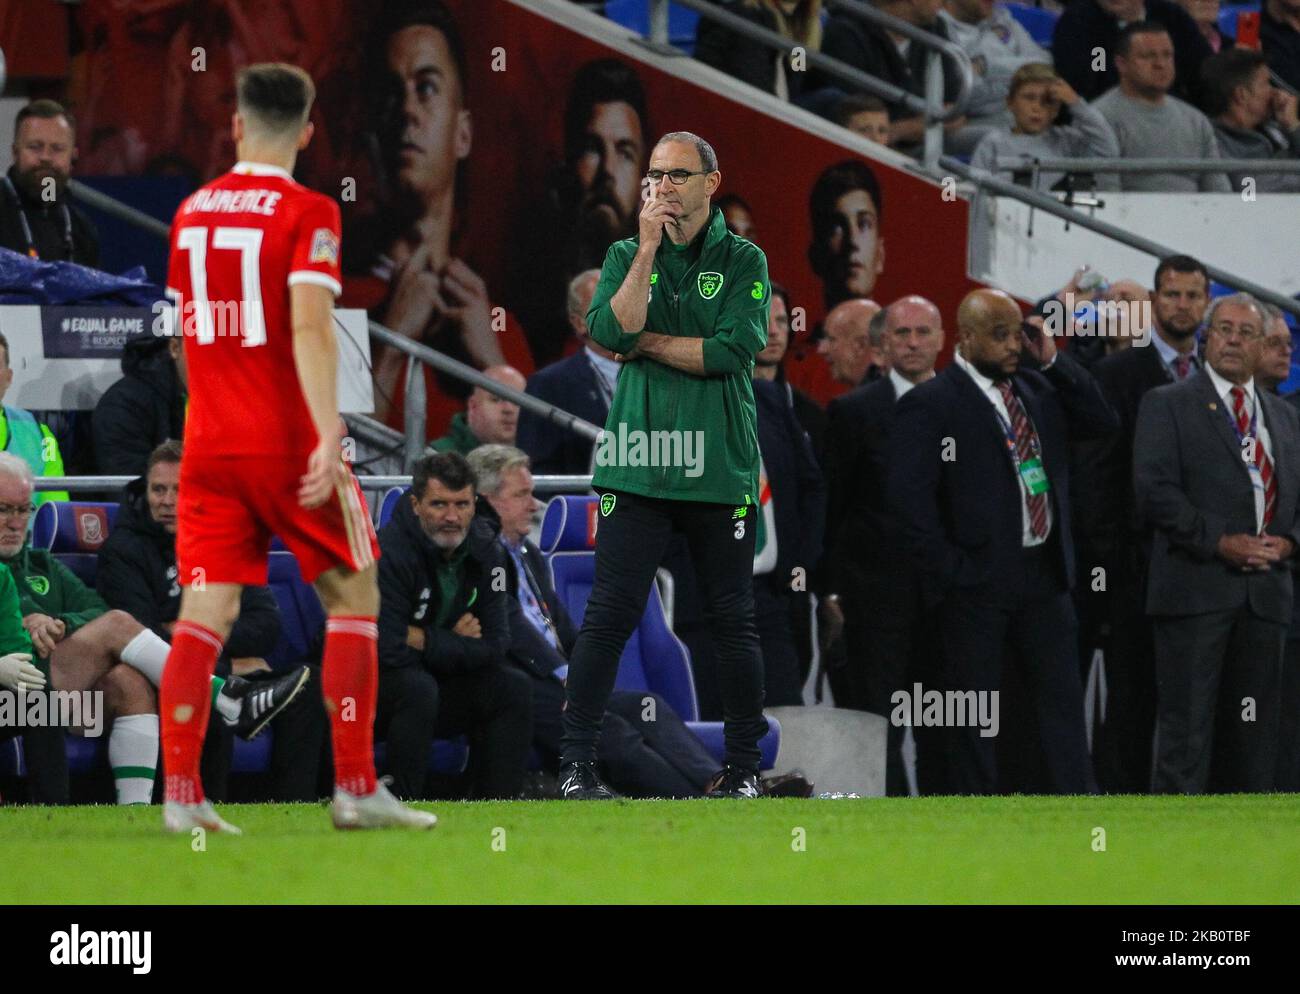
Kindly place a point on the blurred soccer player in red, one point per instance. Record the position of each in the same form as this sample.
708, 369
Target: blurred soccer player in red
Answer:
254, 271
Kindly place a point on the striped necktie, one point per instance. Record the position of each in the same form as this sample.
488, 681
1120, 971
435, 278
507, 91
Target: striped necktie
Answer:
1262, 460
1026, 448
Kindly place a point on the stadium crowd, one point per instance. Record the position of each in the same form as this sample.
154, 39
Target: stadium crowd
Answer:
1155, 542
1123, 79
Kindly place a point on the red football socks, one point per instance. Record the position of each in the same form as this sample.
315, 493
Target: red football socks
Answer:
350, 682
185, 698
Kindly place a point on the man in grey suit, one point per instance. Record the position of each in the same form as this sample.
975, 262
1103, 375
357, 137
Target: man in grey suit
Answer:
1216, 466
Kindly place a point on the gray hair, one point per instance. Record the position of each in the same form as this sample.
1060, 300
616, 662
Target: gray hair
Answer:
1241, 300
708, 160
491, 462
876, 328
575, 292
11, 465
1271, 312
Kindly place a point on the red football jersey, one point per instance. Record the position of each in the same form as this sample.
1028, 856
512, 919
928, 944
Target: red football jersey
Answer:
238, 245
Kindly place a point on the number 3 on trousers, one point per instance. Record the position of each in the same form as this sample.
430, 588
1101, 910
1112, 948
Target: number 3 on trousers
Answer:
740, 529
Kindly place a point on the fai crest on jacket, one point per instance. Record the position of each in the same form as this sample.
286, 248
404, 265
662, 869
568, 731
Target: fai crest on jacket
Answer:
710, 284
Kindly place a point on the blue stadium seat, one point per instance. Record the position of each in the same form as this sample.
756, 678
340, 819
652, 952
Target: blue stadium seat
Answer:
302, 618
1038, 22
388, 504
1228, 16
63, 526
635, 16
654, 658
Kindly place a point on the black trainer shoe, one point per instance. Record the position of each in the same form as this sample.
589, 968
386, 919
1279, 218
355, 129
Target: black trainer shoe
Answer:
732, 781
579, 782
261, 700
792, 784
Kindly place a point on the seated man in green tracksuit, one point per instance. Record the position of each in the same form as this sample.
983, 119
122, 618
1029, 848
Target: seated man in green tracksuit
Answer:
20, 679
80, 644
25, 437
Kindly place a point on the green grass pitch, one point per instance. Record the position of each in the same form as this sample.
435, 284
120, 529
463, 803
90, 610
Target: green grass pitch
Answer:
1224, 849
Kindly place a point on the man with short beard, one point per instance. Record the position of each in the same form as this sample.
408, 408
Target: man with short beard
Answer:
444, 634
592, 198
407, 272
1111, 535
36, 215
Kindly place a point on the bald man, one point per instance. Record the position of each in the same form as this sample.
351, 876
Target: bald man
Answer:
582, 384
846, 341
979, 480
868, 577
487, 418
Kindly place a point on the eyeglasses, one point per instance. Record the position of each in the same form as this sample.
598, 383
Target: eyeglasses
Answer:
678, 176
1279, 344
1230, 330
16, 510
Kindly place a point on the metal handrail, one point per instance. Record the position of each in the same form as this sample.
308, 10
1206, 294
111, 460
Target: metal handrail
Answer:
832, 67
930, 107
542, 484
1041, 201
1108, 165
426, 355
928, 39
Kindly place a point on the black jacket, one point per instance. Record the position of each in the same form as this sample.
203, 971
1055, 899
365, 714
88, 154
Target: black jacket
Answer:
870, 49
735, 54
529, 647
955, 491
570, 385
1281, 45
49, 227
409, 595
137, 574
140, 411
1085, 26
798, 490
866, 560
1108, 521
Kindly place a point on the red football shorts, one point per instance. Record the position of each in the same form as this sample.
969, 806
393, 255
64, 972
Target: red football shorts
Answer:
230, 506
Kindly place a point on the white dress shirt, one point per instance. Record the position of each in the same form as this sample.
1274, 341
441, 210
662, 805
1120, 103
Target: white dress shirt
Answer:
1224, 389
994, 395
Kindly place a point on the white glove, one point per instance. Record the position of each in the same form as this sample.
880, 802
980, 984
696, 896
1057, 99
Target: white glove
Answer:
18, 673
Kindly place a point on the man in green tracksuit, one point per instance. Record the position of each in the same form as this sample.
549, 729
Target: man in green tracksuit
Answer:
20, 680
684, 305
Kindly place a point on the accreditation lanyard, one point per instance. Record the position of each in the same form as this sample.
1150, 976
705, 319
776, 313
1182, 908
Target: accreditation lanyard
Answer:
1252, 465
27, 228
1031, 470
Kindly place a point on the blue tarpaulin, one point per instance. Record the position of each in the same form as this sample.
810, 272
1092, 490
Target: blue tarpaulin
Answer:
24, 280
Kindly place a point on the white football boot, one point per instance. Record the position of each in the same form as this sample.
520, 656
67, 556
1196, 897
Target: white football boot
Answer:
378, 810
179, 817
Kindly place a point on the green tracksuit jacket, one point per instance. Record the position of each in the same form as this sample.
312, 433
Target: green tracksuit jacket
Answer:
46, 586
702, 427
13, 636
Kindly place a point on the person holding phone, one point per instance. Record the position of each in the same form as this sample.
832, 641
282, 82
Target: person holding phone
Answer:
979, 481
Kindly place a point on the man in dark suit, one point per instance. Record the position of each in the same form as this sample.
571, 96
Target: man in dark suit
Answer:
1216, 468
866, 565
645, 749
979, 478
797, 509
582, 384
1113, 537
